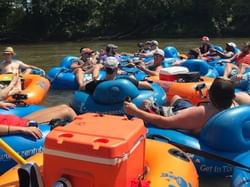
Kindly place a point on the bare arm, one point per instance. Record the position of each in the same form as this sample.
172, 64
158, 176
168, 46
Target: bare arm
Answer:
144, 85
96, 70
26, 66
5, 92
6, 105
224, 55
75, 65
242, 68
147, 71
8, 130
187, 119
148, 54
242, 98
233, 58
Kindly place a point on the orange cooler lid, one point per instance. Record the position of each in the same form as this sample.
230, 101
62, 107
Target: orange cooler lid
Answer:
103, 136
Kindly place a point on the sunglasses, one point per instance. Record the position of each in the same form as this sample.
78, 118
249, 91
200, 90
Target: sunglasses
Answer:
7, 54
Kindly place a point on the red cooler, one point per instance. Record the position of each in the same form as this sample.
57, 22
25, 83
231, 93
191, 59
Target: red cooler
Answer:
95, 151
170, 73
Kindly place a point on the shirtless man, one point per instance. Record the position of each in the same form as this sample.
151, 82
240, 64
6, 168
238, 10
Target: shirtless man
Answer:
155, 68
9, 65
83, 65
221, 96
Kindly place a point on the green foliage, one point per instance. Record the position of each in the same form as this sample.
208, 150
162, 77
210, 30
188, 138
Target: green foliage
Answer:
74, 19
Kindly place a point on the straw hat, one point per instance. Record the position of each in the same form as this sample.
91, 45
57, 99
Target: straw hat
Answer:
9, 50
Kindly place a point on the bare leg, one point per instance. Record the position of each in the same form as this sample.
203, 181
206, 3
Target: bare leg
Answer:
59, 111
17, 87
96, 70
14, 87
5, 92
228, 69
79, 77
242, 68
242, 98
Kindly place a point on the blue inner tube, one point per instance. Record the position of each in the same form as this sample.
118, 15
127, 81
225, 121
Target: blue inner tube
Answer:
64, 78
67, 61
220, 67
22, 111
108, 97
38, 72
171, 52
226, 134
133, 71
201, 66
241, 177
218, 48
25, 145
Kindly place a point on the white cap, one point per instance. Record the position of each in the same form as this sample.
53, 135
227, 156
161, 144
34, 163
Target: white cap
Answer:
159, 52
111, 62
154, 42
231, 44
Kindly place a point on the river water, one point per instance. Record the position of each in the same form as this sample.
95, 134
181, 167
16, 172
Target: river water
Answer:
47, 55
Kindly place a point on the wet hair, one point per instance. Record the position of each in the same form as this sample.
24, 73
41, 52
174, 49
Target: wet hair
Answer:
221, 93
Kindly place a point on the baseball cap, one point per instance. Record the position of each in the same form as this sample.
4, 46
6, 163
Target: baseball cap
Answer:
231, 44
111, 62
159, 52
112, 46
205, 38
